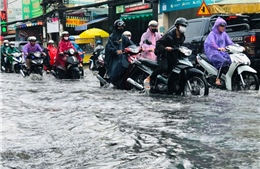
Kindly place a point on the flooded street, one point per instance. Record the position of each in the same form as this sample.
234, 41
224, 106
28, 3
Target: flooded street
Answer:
62, 124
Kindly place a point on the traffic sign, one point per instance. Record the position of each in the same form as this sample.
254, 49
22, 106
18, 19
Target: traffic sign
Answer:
203, 10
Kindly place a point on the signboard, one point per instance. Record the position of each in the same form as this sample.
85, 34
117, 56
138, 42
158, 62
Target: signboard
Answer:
73, 21
31, 8
175, 5
203, 10
137, 7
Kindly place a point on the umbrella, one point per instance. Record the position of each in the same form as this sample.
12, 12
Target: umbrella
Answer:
93, 32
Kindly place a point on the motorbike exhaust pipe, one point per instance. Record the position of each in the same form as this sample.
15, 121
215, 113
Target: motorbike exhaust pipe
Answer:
3, 68
101, 79
21, 71
131, 81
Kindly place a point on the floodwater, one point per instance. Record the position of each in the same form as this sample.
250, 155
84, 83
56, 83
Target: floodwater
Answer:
61, 124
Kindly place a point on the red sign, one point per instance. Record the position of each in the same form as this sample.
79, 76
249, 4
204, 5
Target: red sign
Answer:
138, 8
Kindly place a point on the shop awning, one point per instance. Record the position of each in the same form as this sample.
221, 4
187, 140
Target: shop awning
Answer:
85, 26
235, 7
135, 16
93, 32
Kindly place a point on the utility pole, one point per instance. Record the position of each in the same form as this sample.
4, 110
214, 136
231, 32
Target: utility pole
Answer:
44, 4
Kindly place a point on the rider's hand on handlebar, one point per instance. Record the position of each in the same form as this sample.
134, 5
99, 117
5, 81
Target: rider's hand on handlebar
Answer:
61, 53
168, 48
222, 49
119, 52
80, 65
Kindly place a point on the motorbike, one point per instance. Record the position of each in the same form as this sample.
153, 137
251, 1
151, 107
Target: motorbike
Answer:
18, 65
36, 63
73, 70
184, 79
238, 76
97, 66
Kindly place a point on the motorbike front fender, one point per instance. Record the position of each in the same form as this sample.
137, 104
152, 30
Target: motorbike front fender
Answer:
245, 68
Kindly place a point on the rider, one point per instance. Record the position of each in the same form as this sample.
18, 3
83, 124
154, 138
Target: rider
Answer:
214, 47
10, 50
153, 36
128, 34
76, 46
63, 46
31, 47
4, 48
51, 56
166, 57
115, 59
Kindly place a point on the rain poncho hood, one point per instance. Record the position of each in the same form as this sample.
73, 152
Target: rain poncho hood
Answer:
215, 40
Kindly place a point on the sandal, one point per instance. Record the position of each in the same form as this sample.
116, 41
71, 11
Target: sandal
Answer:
218, 82
147, 83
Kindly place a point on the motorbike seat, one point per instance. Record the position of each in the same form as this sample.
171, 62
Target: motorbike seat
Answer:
148, 62
204, 57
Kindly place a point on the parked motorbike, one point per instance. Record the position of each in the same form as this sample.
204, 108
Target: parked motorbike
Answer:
73, 70
239, 76
97, 66
183, 79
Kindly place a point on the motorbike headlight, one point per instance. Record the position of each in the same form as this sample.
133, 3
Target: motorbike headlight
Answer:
186, 51
37, 54
71, 51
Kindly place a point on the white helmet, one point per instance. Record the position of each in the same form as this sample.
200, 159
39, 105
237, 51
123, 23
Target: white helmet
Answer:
50, 42
153, 23
32, 38
6, 41
127, 33
11, 43
64, 33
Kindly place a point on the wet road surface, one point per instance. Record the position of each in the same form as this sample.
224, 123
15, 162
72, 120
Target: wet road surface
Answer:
56, 124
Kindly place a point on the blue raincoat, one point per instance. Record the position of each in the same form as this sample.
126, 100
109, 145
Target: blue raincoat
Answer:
215, 40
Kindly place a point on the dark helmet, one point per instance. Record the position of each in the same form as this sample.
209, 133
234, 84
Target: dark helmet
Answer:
71, 38
118, 23
181, 21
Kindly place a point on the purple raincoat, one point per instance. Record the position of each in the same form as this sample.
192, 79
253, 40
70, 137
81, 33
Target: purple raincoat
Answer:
153, 37
216, 40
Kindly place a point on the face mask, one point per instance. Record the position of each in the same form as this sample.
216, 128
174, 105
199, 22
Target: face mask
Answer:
11, 46
154, 30
182, 29
120, 30
6, 44
66, 38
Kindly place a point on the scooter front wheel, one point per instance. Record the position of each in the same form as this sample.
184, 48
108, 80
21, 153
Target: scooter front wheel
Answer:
196, 85
245, 81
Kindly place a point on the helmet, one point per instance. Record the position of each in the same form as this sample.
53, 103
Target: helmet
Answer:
98, 42
127, 33
181, 21
153, 23
32, 39
11, 43
71, 38
118, 23
6, 41
64, 33
50, 42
